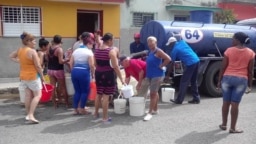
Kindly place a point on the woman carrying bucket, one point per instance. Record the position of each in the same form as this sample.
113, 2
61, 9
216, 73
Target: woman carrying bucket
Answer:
105, 75
156, 62
31, 74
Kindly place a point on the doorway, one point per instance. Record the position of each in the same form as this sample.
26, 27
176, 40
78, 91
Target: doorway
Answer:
88, 21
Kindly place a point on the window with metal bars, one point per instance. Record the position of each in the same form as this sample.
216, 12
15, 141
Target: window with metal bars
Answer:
139, 19
181, 18
15, 20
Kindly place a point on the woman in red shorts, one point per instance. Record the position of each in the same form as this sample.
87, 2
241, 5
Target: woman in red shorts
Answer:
56, 70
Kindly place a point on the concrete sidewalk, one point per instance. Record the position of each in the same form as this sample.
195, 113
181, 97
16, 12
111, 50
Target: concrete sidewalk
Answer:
9, 87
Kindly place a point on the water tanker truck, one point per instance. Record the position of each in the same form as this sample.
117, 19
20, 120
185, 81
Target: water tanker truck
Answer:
209, 41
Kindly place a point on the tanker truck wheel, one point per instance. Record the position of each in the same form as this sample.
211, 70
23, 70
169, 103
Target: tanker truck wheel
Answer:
211, 79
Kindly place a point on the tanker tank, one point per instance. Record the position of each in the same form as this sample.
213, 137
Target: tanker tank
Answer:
209, 41
201, 37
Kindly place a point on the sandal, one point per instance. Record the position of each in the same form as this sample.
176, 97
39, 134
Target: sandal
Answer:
234, 131
107, 121
84, 112
32, 121
76, 112
222, 127
96, 119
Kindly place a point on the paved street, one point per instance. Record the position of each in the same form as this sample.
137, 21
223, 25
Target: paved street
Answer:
176, 124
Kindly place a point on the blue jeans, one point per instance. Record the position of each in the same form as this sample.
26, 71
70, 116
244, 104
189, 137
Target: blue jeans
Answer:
81, 83
189, 77
233, 88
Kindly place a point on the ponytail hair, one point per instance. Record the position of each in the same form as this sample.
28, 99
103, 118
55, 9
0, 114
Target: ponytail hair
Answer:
242, 38
26, 37
43, 42
88, 38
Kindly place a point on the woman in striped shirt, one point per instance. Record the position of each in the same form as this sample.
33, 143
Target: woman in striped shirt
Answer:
105, 75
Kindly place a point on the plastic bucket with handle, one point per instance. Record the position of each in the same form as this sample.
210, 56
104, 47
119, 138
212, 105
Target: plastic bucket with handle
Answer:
22, 93
127, 91
46, 93
93, 91
167, 94
119, 105
69, 84
137, 106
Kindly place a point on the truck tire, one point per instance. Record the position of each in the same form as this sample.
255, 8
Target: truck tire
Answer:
211, 79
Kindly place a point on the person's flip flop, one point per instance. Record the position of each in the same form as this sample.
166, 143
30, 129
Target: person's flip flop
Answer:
85, 113
33, 122
76, 114
222, 127
235, 131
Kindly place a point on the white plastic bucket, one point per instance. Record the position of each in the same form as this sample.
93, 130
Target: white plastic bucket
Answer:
127, 91
119, 105
22, 94
137, 106
69, 85
167, 94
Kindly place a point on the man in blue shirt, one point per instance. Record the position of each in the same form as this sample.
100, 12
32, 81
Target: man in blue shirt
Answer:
180, 50
136, 46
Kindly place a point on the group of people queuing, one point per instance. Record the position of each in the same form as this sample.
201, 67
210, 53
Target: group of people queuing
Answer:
95, 58
158, 66
99, 65
35, 63
235, 78
84, 63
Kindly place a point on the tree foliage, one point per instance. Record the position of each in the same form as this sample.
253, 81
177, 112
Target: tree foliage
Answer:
225, 16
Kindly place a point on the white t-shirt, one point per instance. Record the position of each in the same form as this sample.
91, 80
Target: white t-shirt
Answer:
81, 55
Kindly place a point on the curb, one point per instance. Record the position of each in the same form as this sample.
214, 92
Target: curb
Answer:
13, 90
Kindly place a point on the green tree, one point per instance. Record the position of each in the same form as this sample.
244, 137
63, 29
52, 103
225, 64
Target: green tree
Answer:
225, 16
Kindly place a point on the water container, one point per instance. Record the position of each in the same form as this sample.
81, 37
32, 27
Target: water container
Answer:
22, 93
200, 36
47, 92
204, 16
127, 91
137, 106
167, 94
69, 85
93, 91
119, 105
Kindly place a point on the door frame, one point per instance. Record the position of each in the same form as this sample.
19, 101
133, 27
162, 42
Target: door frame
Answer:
100, 17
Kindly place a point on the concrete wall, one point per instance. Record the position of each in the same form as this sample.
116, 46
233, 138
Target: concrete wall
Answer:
66, 26
61, 18
153, 6
127, 30
10, 69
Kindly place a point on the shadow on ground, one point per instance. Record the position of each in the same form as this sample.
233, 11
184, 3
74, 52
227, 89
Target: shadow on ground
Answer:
83, 123
208, 137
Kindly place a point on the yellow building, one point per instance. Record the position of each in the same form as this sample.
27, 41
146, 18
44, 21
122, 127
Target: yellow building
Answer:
68, 18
